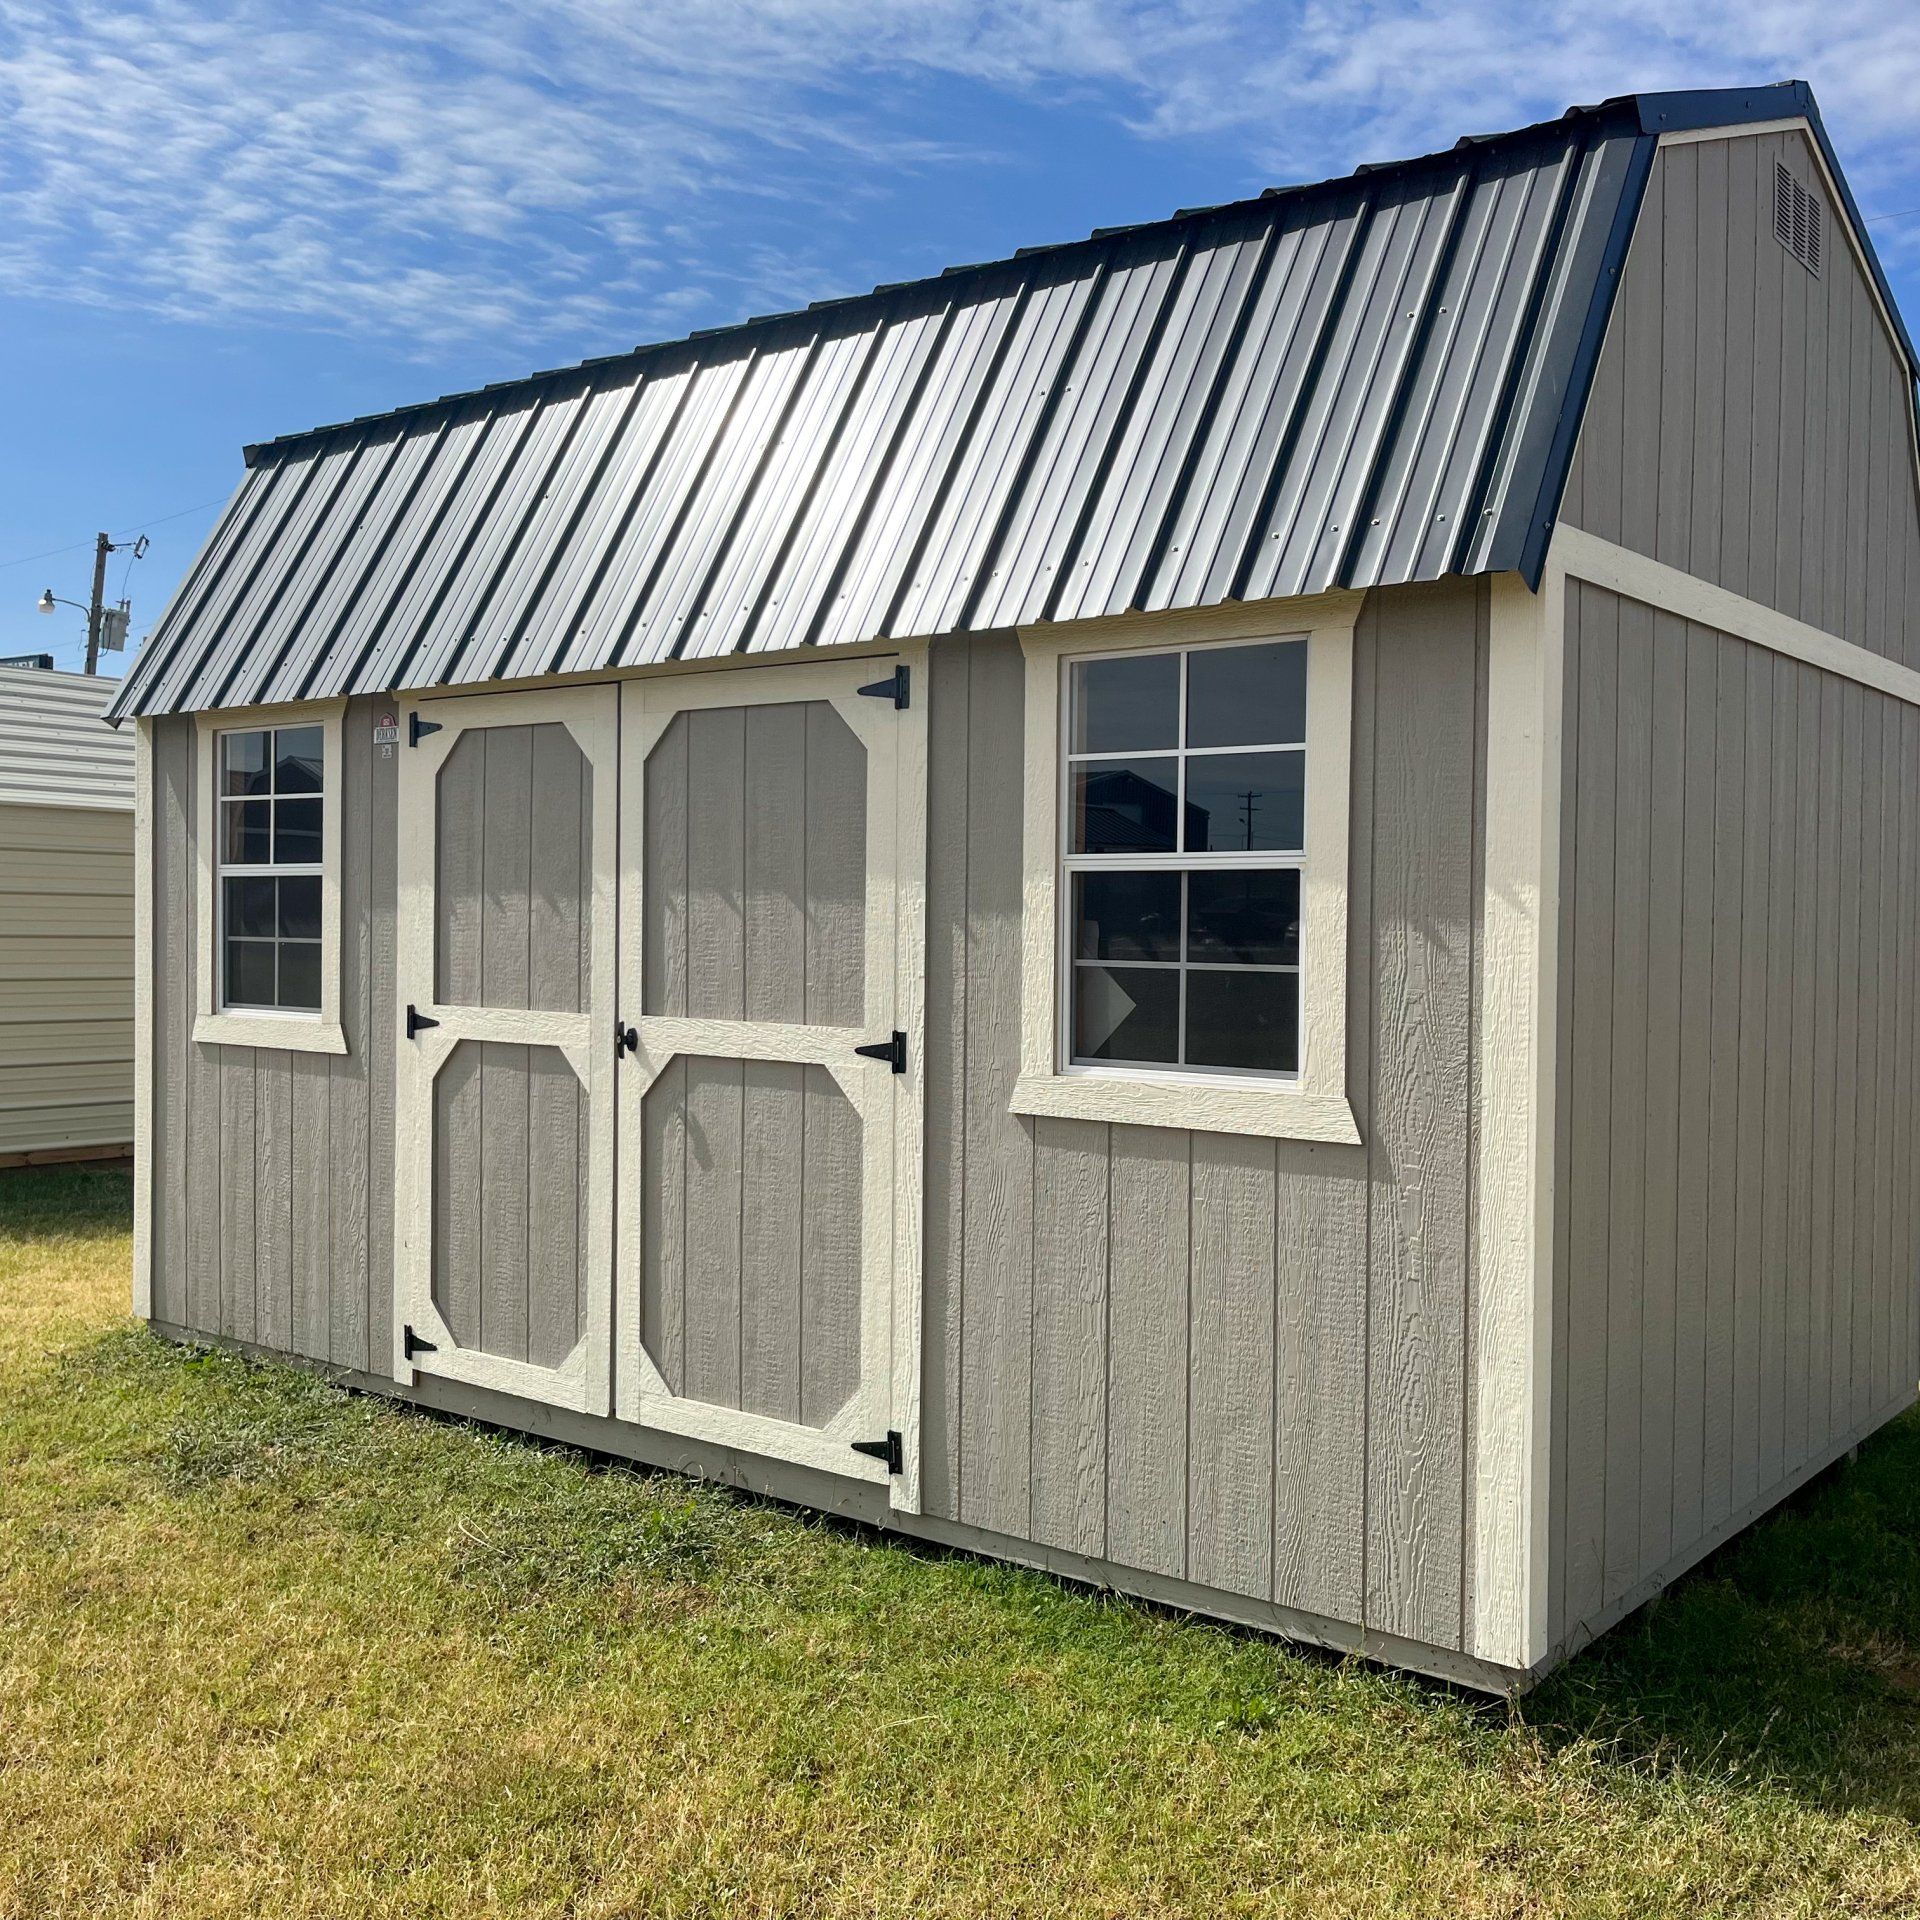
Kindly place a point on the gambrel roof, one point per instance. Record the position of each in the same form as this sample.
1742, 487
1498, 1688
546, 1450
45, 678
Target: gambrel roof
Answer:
1372, 380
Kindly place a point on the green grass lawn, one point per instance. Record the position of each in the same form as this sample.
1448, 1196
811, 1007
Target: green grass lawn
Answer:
266, 1648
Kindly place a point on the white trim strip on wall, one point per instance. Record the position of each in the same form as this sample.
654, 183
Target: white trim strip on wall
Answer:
1619, 570
143, 1019
1513, 1318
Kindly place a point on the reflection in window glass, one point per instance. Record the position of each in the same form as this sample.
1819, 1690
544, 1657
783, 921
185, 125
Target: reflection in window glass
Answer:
1247, 696
1127, 1014
1126, 806
1249, 916
1245, 803
1126, 704
1127, 916
1240, 1019
1184, 835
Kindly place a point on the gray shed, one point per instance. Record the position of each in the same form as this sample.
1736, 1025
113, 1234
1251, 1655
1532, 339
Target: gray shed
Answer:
1231, 908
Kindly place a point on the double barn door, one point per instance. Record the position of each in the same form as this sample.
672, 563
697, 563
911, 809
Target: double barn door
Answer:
658, 1099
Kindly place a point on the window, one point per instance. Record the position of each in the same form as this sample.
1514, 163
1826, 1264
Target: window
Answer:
267, 908
1184, 851
1184, 841
271, 832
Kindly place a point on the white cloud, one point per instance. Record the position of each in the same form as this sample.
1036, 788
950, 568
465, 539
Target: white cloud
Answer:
565, 168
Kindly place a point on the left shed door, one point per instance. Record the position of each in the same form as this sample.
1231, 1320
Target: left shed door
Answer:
504, 1094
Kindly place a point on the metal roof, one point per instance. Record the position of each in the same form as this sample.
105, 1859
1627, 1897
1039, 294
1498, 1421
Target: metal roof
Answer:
1373, 380
53, 750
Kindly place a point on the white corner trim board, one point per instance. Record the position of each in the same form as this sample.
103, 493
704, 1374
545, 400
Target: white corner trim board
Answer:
293, 1032
1600, 563
143, 1019
1513, 1316
1312, 1106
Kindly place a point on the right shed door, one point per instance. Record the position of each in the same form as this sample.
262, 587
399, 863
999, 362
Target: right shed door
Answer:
771, 878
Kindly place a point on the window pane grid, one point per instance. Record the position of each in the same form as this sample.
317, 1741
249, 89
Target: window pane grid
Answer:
271, 840
1232, 1003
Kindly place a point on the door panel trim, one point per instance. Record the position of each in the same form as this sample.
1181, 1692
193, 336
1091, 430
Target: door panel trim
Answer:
894, 996
590, 714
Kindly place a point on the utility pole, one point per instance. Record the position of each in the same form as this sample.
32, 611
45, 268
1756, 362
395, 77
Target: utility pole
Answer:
96, 610
102, 546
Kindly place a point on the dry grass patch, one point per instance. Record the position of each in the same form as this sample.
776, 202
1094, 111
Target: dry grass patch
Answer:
269, 1649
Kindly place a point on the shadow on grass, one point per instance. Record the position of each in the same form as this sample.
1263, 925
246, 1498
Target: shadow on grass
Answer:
1791, 1657
91, 1200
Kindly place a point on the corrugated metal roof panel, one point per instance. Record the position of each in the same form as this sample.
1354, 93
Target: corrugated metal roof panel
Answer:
1363, 382
54, 751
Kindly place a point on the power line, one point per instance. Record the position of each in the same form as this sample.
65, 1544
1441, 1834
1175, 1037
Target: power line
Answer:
53, 553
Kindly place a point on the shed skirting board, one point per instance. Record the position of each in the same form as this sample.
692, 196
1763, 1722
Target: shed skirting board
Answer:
866, 1505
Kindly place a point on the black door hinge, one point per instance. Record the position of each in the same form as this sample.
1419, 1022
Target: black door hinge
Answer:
893, 1050
888, 1450
625, 1039
418, 729
894, 687
416, 1020
411, 1343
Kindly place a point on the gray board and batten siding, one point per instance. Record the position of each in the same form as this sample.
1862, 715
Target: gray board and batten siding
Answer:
1736, 1229
1215, 1369
1751, 422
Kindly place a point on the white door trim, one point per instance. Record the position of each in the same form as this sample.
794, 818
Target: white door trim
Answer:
891, 1107
583, 1381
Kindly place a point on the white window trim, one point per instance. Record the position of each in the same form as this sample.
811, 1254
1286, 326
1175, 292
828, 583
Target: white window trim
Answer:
287, 1029
1311, 1105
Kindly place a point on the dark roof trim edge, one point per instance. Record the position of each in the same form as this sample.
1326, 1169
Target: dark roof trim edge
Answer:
1586, 362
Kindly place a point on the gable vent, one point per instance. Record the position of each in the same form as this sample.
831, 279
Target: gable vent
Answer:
1796, 218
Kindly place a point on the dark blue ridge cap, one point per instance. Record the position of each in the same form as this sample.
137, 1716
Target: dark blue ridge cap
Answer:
1694, 109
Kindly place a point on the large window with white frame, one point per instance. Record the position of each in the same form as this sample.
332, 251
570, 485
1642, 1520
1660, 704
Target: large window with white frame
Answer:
1183, 837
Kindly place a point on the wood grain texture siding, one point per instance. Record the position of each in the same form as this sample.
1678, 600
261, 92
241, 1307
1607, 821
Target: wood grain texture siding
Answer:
1240, 1362
1737, 1228
1751, 422
276, 1203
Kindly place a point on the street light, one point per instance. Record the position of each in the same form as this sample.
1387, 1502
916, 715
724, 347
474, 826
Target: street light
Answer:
96, 621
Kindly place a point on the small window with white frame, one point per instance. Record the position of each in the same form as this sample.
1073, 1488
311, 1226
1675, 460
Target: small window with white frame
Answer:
1183, 842
272, 830
269, 918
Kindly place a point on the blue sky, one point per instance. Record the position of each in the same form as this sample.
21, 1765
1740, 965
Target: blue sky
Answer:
219, 223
